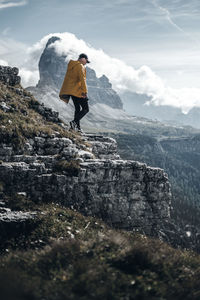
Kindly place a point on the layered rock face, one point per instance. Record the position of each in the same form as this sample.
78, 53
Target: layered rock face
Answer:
52, 69
126, 194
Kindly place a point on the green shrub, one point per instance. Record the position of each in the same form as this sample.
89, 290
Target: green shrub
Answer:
70, 168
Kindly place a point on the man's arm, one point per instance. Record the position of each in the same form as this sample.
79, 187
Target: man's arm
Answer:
82, 77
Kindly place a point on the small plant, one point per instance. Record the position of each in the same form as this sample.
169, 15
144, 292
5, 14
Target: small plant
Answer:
1, 185
70, 168
33, 103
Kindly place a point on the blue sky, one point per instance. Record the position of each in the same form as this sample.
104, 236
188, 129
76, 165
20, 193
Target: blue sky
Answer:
161, 34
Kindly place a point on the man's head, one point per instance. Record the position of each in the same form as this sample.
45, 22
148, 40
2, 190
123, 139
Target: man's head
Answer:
83, 59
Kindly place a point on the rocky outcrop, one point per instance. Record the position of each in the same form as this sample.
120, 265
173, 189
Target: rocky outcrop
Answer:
46, 112
14, 223
9, 75
126, 194
100, 90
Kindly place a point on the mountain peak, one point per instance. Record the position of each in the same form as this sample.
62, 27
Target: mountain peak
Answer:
52, 40
52, 69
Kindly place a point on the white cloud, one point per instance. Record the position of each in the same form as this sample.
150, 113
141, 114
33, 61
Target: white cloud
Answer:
7, 4
123, 77
16, 54
29, 78
184, 98
3, 62
11, 50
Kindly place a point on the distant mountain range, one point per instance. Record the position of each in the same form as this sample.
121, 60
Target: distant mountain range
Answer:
136, 104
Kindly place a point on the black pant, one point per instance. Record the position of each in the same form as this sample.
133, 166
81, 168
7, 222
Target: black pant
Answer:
81, 108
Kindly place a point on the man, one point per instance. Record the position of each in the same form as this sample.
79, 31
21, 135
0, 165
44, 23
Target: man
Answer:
74, 86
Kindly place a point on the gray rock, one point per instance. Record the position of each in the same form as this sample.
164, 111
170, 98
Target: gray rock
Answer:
126, 194
5, 107
9, 76
9, 216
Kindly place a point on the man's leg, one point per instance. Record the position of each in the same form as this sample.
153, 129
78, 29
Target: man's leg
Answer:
85, 108
74, 124
81, 109
77, 107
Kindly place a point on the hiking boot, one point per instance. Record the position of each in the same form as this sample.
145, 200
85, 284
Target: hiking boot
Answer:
73, 125
80, 130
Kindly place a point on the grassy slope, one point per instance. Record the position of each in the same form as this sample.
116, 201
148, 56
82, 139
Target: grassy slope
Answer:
70, 256
23, 121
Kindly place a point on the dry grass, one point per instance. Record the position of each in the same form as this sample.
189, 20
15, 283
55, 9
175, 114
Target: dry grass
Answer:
23, 121
82, 258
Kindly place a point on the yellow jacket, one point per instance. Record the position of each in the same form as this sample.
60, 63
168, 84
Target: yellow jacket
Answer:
75, 80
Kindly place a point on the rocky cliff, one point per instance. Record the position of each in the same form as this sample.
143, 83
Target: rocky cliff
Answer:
81, 172
179, 157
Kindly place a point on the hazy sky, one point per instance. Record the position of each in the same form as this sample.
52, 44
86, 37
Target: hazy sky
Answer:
161, 34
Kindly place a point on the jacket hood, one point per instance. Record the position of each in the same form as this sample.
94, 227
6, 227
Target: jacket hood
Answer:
73, 63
